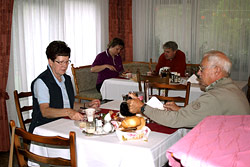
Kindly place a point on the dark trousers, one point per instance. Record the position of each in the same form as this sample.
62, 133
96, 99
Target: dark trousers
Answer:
98, 87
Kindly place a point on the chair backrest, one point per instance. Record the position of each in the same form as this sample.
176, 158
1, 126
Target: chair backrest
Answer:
149, 86
248, 90
22, 96
152, 65
23, 154
82, 77
134, 66
142, 78
85, 80
192, 69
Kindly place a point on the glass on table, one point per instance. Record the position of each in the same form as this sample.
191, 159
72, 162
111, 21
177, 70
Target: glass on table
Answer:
90, 113
90, 127
149, 73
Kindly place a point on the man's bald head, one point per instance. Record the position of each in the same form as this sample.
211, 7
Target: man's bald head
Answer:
218, 58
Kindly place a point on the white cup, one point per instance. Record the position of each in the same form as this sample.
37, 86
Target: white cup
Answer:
90, 112
129, 75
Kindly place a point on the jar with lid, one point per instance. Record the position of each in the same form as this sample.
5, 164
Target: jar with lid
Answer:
164, 73
178, 77
168, 75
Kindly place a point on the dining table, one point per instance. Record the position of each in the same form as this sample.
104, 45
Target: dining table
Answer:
107, 150
116, 88
216, 141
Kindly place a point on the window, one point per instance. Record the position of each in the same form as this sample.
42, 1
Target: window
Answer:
36, 23
197, 27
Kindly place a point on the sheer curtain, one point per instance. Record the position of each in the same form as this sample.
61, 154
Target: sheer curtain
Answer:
82, 24
158, 21
197, 26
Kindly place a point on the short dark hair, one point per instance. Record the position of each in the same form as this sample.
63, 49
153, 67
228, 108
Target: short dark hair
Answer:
57, 48
170, 45
114, 42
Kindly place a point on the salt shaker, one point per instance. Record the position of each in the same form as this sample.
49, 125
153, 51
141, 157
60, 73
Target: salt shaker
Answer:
99, 128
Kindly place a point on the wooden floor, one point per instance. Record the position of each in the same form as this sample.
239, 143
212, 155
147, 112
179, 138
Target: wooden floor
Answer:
4, 159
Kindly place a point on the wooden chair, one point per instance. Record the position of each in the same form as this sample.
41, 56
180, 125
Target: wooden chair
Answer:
149, 86
23, 154
142, 78
22, 108
152, 65
134, 66
85, 83
192, 68
248, 90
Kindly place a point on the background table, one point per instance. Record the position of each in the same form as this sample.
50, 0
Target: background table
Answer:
114, 88
215, 141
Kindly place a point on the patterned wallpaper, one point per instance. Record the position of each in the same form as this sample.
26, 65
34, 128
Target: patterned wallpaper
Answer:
6, 7
120, 25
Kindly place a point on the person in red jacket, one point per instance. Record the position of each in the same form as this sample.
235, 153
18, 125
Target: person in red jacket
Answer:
173, 58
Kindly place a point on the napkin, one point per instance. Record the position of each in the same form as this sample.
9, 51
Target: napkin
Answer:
193, 79
107, 117
137, 135
155, 103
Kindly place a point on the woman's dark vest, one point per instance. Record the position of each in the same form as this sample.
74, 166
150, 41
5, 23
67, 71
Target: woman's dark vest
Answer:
56, 98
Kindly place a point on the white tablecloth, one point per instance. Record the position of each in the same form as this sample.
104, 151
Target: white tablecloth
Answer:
107, 150
114, 88
112, 105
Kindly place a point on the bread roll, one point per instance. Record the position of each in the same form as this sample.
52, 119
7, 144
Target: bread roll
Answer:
143, 123
133, 122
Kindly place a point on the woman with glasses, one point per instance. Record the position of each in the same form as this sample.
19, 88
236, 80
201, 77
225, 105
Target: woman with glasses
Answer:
52, 91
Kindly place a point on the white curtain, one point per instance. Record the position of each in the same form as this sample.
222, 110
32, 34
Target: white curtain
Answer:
197, 26
82, 24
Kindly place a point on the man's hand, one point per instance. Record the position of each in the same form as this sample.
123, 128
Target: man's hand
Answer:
94, 104
133, 96
171, 106
134, 104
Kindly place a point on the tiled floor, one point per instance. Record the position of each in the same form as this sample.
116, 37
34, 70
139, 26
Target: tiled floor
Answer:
4, 159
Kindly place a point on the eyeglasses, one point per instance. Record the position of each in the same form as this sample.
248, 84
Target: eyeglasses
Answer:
63, 62
202, 68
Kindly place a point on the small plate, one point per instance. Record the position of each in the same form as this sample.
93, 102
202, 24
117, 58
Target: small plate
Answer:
97, 134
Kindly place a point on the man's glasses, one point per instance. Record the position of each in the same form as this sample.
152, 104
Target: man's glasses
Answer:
202, 68
63, 62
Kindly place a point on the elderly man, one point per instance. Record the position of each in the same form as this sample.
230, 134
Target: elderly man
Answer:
221, 97
173, 58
